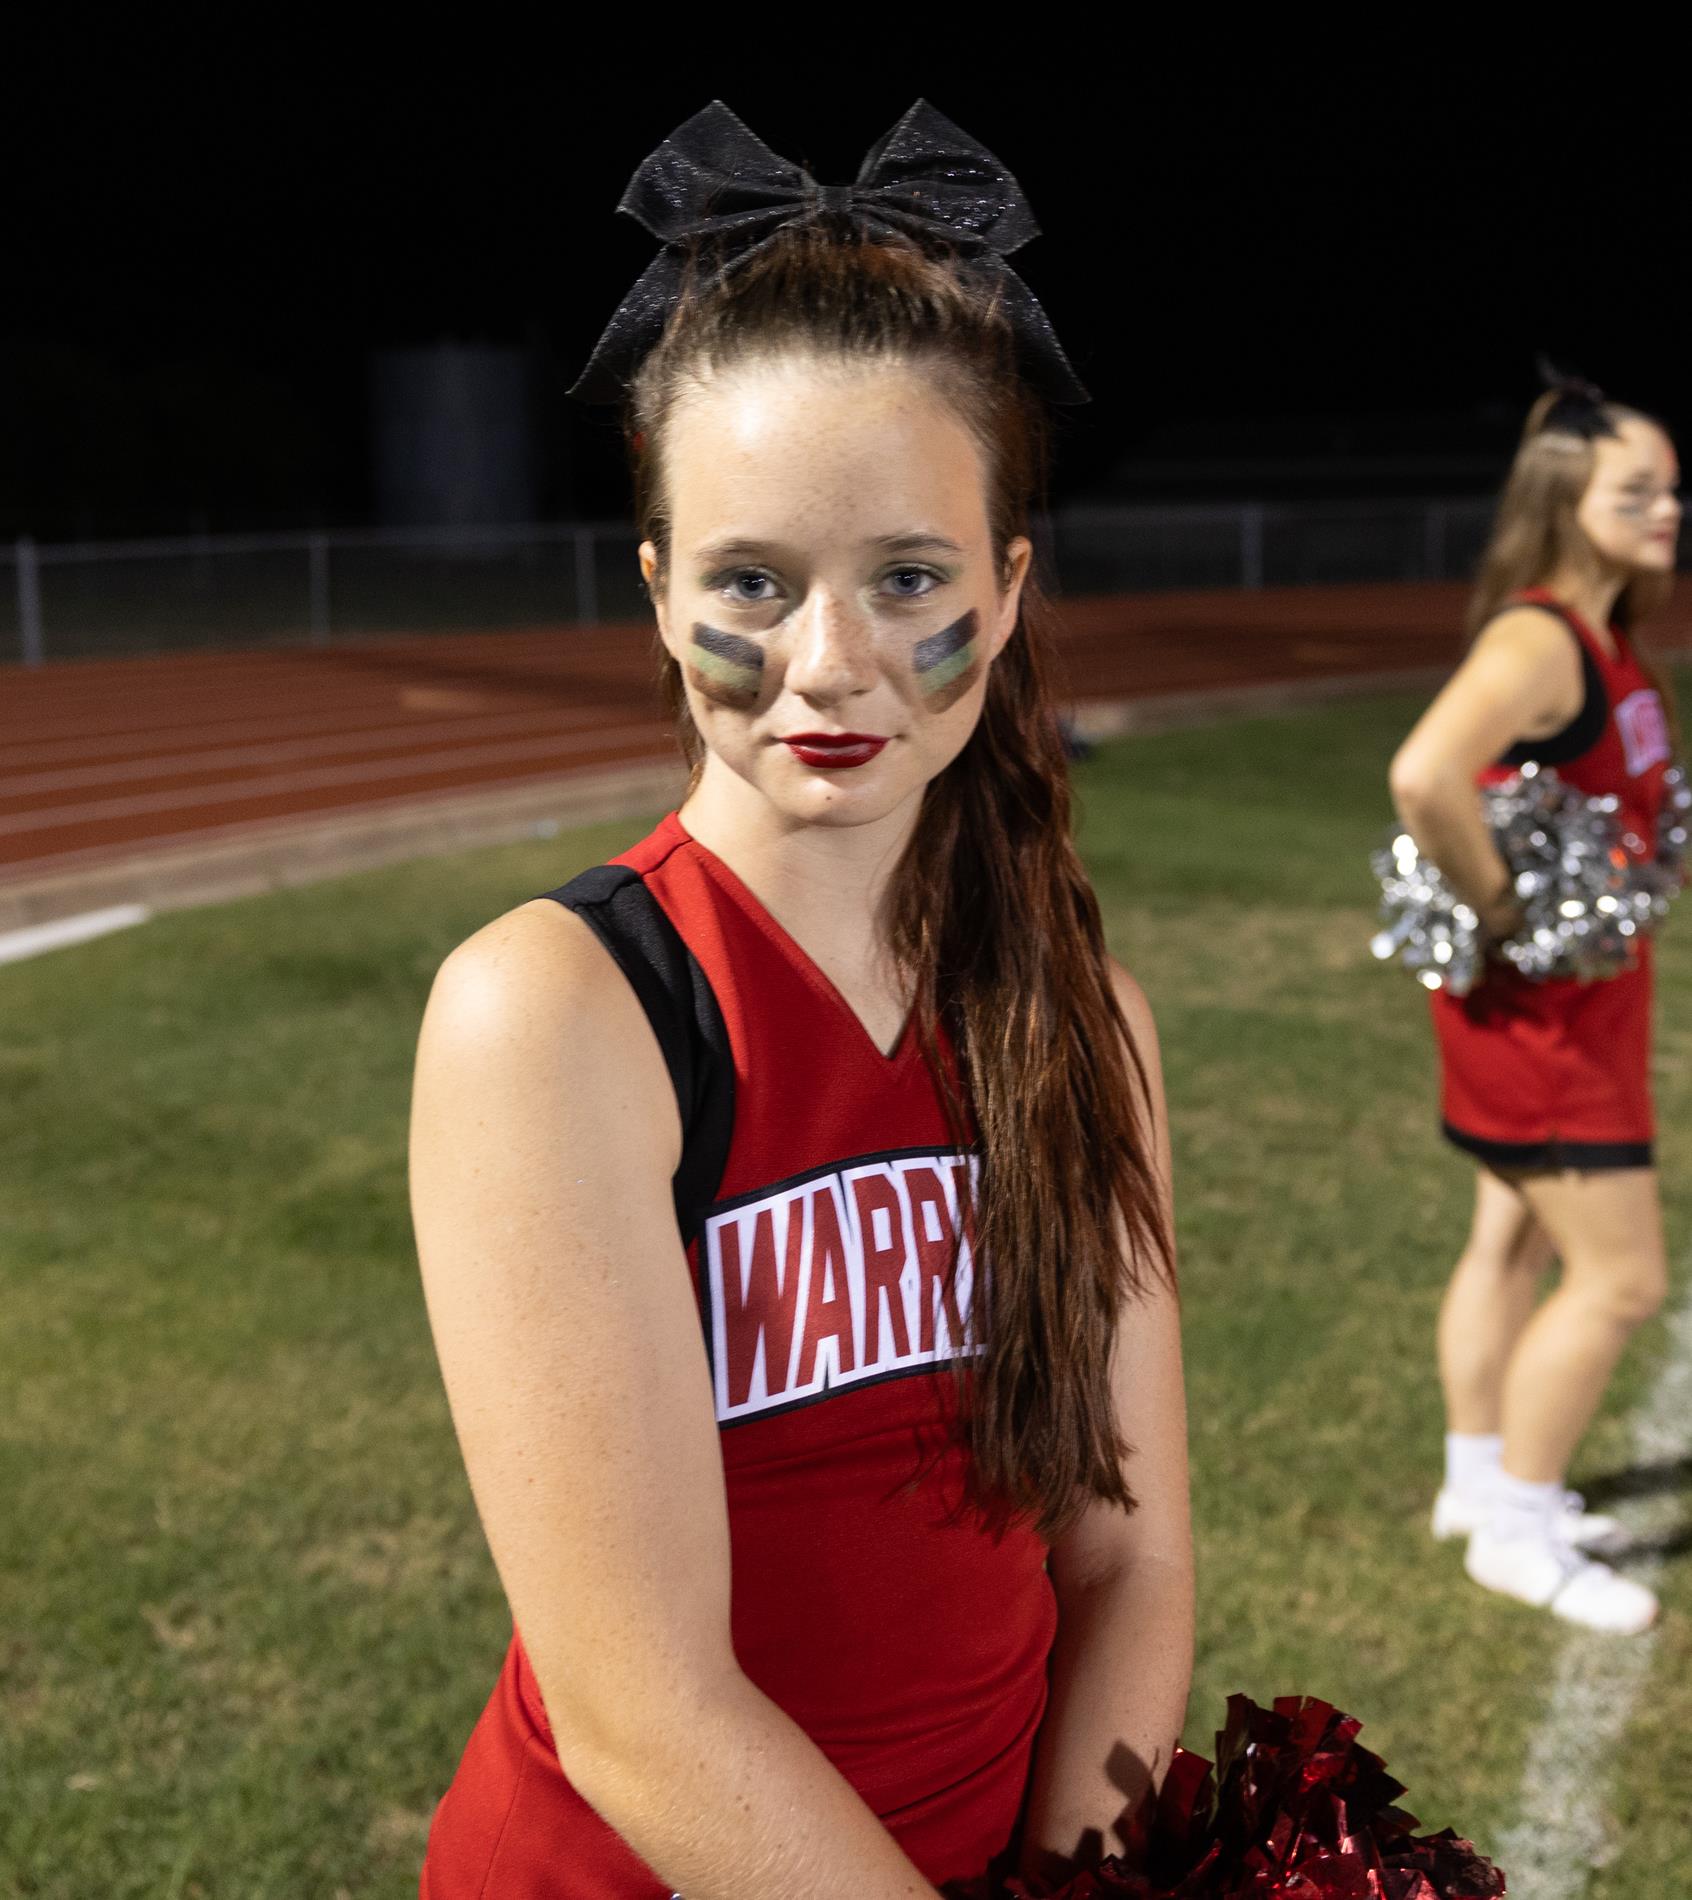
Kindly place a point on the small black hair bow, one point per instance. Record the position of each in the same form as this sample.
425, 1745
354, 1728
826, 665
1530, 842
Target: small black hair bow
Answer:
1579, 407
714, 184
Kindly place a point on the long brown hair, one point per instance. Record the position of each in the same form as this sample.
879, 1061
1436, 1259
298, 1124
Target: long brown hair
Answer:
990, 912
1536, 531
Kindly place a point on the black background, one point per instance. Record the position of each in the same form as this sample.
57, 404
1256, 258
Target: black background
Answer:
1299, 261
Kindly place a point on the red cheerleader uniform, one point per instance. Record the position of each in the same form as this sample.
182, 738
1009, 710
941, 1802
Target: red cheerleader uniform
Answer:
1555, 1074
907, 1639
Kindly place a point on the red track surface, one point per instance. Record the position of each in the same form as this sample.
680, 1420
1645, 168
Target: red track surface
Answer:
101, 758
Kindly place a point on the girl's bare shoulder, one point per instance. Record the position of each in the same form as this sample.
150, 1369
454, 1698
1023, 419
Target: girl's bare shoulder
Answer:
1526, 633
536, 963
534, 1006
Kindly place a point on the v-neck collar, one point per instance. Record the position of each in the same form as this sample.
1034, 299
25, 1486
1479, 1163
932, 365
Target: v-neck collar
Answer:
814, 975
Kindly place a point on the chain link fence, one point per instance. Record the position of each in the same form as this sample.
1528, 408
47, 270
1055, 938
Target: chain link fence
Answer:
87, 599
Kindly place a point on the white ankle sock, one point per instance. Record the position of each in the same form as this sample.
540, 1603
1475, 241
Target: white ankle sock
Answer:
1472, 1460
1521, 1508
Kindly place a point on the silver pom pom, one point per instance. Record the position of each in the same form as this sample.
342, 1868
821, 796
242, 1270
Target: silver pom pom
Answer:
1588, 891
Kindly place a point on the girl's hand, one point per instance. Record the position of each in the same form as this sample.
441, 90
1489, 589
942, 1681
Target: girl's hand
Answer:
1501, 918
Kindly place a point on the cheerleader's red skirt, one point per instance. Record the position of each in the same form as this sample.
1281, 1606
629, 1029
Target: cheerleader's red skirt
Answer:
1552, 1075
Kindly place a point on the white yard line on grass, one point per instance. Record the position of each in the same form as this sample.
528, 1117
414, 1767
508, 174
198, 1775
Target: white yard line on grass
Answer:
1563, 1832
34, 939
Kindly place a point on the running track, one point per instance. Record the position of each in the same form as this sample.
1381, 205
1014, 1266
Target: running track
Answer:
101, 759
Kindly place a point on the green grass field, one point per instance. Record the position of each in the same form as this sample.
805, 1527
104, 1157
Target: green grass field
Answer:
246, 1615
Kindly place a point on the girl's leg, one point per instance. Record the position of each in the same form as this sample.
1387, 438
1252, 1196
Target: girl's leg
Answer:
1608, 1229
1488, 1304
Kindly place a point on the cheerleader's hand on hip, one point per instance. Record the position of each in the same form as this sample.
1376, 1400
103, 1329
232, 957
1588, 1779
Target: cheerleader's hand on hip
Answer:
1501, 919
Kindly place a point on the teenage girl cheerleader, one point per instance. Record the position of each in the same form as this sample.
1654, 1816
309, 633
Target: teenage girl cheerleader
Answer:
1545, 1084
792, 1194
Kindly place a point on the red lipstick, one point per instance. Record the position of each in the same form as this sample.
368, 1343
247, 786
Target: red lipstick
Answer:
833, 751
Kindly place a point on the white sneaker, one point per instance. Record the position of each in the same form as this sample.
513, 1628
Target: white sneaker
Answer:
1462, 1513
1544, 1571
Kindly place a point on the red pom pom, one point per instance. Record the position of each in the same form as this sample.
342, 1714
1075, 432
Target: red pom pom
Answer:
1293, 1810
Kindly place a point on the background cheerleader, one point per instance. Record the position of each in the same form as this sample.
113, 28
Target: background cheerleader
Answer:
1546, 1084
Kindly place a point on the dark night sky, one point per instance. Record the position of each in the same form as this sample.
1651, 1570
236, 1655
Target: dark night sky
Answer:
1251, 247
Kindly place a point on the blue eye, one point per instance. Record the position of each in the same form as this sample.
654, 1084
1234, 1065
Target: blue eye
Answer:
911, 583
748, 585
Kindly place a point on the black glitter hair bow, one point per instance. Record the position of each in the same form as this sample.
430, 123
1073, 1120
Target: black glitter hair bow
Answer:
714, 186
1579, 407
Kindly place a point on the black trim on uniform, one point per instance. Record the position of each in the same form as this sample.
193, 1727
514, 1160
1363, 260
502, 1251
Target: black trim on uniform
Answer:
614, 903
1586, 728
1553, 1156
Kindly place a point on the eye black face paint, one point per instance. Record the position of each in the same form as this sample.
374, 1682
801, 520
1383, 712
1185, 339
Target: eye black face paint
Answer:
725, 669
948, 663
1640, 496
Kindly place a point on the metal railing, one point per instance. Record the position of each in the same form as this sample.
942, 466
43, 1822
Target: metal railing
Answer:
84, 599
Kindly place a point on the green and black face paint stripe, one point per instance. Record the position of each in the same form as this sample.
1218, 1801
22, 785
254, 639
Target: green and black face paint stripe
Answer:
1636, 505
726, 669
948, 662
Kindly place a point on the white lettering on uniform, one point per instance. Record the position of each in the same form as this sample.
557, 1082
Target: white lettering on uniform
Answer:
844, 1277
1644, 731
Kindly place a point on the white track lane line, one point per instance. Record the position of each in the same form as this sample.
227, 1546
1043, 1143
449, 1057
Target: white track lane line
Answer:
36, 939
239, 791
277, 752
239, 830
1563, 1834
143, 743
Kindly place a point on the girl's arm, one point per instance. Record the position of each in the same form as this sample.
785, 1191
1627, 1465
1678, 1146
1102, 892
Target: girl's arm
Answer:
1122, 1662
1523, 680
544, 1135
